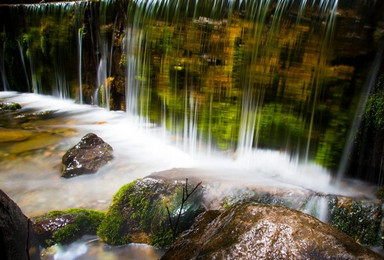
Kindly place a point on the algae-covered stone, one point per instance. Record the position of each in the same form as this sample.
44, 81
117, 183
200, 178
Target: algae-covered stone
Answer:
66, 226
256, 231
139, 212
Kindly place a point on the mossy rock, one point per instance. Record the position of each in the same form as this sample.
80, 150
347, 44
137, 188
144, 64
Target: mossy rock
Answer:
138, 213
10, 106
62, 227
359, 219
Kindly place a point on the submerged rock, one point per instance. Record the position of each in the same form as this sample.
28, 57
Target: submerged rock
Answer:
86, 157
66, 226
17, 239
256, 231
139, 214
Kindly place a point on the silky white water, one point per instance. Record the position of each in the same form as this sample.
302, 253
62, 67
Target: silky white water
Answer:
140, 149
33, 179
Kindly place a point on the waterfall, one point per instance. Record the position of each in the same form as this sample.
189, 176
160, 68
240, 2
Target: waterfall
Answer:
219, 76
330, 8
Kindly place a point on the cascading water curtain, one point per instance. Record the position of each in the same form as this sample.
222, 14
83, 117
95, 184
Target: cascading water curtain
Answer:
235, 40
228, 76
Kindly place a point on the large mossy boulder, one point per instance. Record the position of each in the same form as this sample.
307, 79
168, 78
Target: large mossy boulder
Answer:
86, 157
138, 213
257, 231
17, 239
62, 227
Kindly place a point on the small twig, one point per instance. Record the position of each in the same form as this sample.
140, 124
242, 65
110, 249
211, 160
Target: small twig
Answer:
185, 197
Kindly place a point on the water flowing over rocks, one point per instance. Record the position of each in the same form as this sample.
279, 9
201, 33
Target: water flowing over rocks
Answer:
17, 239
86, 157
256, 231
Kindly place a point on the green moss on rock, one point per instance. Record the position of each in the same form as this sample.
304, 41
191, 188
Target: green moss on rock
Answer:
66, 226
109, 229
360, 220
10, 106
138, 213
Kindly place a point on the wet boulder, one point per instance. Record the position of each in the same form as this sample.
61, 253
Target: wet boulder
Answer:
86, 157
151, 210
66, 226
257, 231
17, 239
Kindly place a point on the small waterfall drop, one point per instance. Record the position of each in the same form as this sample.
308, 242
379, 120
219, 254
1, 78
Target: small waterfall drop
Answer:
318, 207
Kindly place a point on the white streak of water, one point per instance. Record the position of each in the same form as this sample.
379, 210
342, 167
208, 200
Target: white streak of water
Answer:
368, 85
80, 56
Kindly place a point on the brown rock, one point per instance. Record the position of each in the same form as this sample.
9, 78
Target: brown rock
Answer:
256, 231
86, 157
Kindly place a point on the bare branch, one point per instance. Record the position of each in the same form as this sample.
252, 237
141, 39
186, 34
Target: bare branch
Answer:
185, 197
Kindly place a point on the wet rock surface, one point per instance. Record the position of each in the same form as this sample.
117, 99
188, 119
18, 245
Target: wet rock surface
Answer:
17, 239
66, 226
256, 231
44, 227
86, 157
